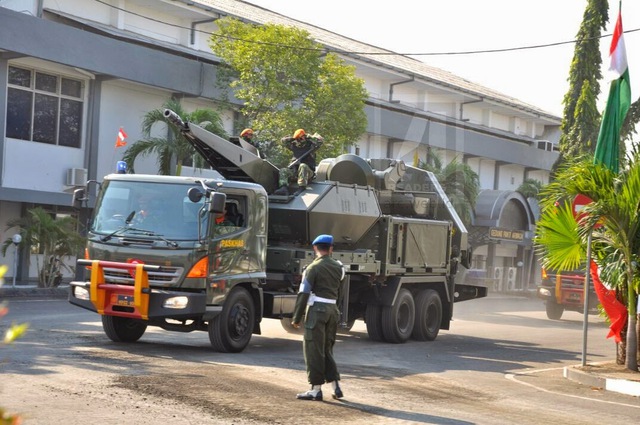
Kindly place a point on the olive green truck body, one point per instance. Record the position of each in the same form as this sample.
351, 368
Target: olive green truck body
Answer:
395, 232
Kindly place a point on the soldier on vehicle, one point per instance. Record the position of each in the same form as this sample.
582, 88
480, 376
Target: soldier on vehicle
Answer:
303, 147
247, 136
319, 292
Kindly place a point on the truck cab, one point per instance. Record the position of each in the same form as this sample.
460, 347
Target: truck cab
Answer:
192, 258
564, 290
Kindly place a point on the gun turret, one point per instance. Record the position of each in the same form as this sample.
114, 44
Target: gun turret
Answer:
233, 162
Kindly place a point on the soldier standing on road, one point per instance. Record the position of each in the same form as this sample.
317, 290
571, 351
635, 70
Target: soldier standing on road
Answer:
320, 289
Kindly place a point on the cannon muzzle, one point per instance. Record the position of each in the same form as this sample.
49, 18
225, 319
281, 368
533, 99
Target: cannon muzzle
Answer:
175, 119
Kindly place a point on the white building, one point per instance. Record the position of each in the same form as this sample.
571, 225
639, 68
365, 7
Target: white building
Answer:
74, 71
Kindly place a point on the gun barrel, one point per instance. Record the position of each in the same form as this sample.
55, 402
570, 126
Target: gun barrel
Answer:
175, 119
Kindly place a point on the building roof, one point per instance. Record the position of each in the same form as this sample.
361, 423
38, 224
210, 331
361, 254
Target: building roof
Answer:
372, 54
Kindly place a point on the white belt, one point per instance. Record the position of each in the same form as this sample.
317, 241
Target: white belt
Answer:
314, 298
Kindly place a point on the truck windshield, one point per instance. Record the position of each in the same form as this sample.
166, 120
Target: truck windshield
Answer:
160, 208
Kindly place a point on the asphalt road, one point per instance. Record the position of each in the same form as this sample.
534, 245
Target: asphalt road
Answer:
500, 363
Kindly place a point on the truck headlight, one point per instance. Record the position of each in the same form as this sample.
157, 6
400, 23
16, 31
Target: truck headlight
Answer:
81, 293
544, 292
176, 302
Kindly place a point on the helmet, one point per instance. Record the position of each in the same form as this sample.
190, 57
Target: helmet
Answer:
246, 132
299, 133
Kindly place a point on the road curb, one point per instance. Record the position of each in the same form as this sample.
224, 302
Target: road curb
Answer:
622, 386
33, 291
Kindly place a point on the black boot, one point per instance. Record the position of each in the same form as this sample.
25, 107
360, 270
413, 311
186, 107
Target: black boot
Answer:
337, 391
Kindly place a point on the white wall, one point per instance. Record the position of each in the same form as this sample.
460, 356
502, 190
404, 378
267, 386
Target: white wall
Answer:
540, 175
51, 161
26, 6
487, 173
511, 177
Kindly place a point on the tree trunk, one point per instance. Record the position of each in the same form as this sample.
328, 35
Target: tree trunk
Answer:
621, 350
632, 343
638, 333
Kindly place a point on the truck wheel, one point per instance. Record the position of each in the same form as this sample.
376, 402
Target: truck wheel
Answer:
554, 310
428, 316
123, 329
287, 326
398, 319
373, 320
230, 331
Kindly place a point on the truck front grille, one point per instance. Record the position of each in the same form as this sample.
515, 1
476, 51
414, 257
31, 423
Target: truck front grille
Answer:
167, 276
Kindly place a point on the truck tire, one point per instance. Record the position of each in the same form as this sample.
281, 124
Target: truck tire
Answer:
554, 310
287, 326
398, 319
428, 315
373, 320
230, 331
123, 329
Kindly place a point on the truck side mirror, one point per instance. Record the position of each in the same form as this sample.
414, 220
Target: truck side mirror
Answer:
78, 197
194, 194
218, 200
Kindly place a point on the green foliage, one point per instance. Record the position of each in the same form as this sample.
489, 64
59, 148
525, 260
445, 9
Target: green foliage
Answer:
459, 182
287, 82
174, 149
14, 332
581, 119
629, 125
54, 238
530, 188
558, 240
615, 241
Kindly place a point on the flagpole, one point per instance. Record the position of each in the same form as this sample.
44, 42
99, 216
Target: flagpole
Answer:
585, 320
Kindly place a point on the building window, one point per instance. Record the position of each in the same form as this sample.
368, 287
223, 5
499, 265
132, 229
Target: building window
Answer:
44, 107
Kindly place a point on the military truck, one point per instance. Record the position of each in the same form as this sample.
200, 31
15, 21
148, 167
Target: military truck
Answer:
394, 230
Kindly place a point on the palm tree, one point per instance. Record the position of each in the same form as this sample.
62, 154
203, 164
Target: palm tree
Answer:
530, 188
459, 182
54, 238
562, 241
175, 147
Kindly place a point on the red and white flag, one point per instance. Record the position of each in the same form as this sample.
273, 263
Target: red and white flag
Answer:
607, 150
120, 139
616, 311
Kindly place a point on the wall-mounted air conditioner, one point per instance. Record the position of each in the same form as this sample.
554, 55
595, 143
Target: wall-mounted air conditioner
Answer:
545, 145
76, 177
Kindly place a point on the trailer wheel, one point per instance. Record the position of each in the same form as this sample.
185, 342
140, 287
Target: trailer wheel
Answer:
554, 310
373, 320
287, 326
428, 315
398, 319
230, 331
123, 329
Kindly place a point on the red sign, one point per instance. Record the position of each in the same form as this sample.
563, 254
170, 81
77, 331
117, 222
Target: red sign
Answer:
579, 202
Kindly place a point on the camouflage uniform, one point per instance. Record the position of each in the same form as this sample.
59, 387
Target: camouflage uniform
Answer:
322, 278
306, 169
